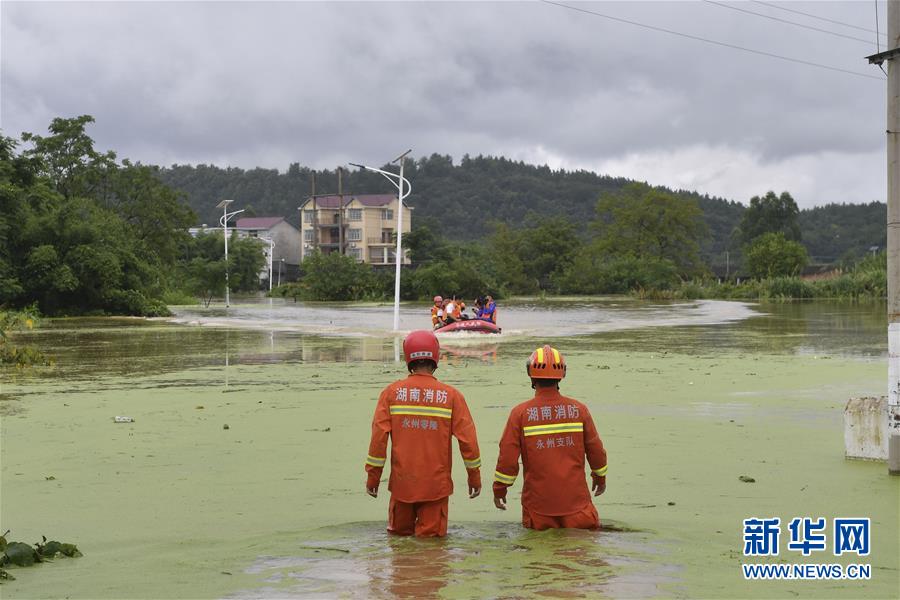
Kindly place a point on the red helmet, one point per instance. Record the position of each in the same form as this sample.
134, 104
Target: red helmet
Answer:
420, 345
438, 299
546, 362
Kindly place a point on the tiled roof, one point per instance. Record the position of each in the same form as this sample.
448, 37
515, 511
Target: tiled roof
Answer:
364, 199
258, 222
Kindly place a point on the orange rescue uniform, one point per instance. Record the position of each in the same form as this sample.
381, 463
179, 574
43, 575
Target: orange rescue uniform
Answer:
437, 313
420, 414
552, 434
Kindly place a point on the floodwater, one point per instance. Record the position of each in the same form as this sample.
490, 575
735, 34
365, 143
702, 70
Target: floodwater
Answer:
688, 396
270, 330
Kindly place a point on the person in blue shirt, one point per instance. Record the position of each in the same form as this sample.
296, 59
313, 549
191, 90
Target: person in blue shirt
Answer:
489, 310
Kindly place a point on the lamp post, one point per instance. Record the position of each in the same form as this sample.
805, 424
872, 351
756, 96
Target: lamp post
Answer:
224, 222
399, 181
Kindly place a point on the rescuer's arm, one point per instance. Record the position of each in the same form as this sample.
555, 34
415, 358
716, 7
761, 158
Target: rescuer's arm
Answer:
381, 431
508, 461
596, 455
463, 427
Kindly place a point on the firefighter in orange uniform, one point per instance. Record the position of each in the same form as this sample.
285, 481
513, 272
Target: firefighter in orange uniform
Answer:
553, 434
420, 414
437, 312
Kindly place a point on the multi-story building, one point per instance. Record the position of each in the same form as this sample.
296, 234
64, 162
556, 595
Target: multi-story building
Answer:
365, 225
279, 243
280, 238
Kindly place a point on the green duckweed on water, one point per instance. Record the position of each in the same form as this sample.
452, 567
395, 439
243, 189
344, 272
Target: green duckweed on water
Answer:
173, 505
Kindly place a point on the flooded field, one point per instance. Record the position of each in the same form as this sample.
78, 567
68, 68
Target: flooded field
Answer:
687, 397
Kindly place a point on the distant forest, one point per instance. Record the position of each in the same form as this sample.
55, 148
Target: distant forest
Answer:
465, 200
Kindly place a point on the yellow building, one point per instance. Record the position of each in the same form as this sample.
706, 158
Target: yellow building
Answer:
366, 228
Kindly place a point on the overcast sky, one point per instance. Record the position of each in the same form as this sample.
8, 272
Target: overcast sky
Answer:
268, 84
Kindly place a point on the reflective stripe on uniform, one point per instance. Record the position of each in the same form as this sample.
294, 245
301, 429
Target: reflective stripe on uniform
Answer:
421, 411
601, 472
475, 463
374, 461
506, 479
553, 428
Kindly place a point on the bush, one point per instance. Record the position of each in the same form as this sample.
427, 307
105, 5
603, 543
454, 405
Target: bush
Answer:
178, 297
593, 275
334, 277
772, 255
19, 320
790, 287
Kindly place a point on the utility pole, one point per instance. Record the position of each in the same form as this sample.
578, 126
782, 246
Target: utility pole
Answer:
892, 58
340, 172
315, 219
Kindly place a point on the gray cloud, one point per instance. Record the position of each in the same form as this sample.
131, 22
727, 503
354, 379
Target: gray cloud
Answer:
266, 84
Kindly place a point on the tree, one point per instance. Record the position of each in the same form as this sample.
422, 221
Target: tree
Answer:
206, 278
770, 214
504, 245
594, 273
205, 257
68, 158
773, 255
424, 245
80, 233
155, 213
334, 276
646, 222
245, 261
547, 248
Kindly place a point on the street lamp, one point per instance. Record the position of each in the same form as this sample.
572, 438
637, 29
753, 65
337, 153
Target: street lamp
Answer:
399, 181
224, 222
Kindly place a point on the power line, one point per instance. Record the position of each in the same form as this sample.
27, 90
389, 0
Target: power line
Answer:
810, 27
811, 16
714, 42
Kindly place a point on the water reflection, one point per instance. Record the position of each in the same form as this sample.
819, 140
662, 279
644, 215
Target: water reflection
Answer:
457, 356
485, 559
417, 570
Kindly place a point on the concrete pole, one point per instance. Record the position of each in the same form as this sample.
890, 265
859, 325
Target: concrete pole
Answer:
315, 219
399, 255
227, 286
271, 255
893, 236
340, 172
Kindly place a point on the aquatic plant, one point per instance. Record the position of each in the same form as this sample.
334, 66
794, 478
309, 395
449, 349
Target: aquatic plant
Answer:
21, 554
19, 320
866, 280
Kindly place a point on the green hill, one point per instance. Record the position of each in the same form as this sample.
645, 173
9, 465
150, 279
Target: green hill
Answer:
464, 198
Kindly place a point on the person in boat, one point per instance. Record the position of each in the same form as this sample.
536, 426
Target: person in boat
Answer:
477, 306
451, 311
461, 306
489, 311
553, 435
437, 313
419, 416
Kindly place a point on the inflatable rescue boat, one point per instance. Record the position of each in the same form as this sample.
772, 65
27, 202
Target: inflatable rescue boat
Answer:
473, 325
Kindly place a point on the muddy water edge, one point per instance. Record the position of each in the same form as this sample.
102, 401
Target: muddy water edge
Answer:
176, 505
